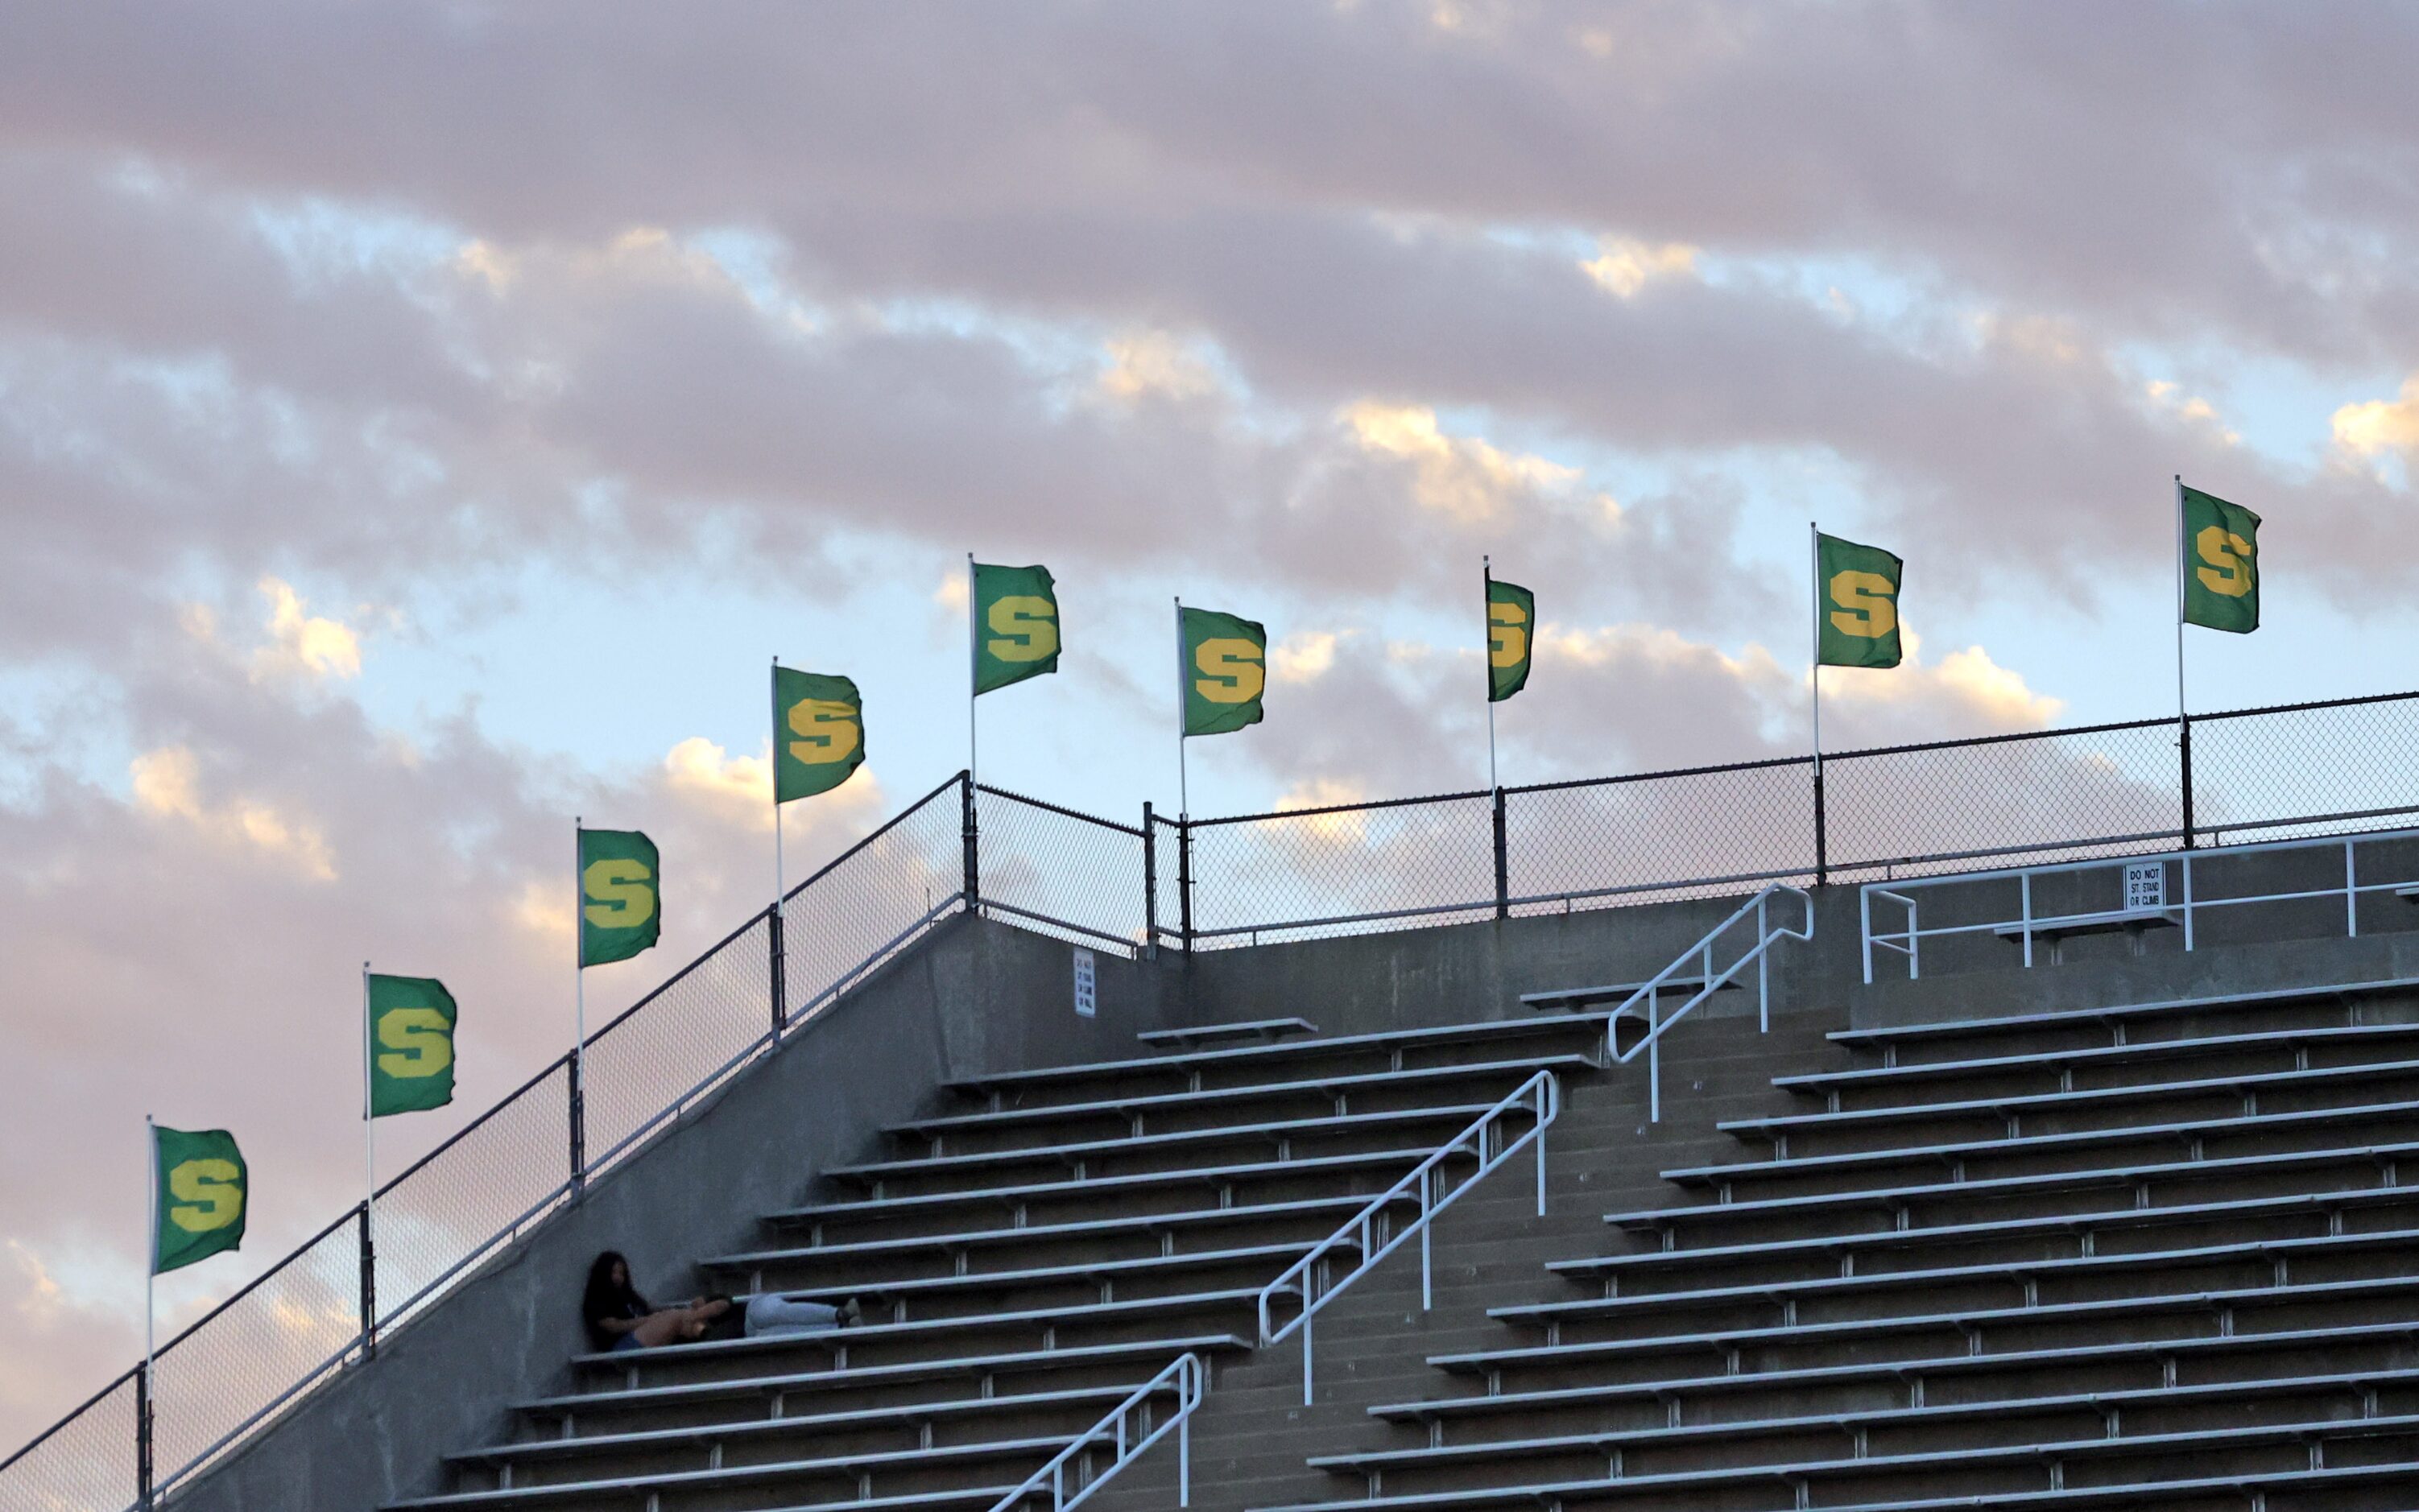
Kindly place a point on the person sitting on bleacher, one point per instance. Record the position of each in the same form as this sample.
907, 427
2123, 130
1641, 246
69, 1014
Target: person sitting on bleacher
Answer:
618, 1317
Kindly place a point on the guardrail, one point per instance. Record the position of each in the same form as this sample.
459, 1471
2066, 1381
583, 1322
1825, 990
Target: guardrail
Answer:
1700, 955
1191, 1379
1368, 1232
2142, 905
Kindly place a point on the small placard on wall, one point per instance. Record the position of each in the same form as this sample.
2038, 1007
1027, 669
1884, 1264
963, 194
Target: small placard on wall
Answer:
1087, 1002
2145, 885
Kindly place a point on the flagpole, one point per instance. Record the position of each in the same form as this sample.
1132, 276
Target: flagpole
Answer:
579, 1004
973, 665
1183, 788
1814, 656
150, 1287
781, 889
369, 1169
2183, 721
1486, 659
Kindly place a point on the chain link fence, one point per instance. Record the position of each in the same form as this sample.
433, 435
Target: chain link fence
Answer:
2068, 795
291, 1327
2305, 769
1346, 868
1064, 873
1574, 845
83, 1463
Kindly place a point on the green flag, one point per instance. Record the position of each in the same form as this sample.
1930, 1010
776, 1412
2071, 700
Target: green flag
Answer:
412, 1044
1511, 621
1225, 669
203, 1193
2221, 563
818, 733
621, 900
1016, 625
1856, 590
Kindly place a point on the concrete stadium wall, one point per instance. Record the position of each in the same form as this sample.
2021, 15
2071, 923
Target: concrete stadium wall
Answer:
980, 996
975, 996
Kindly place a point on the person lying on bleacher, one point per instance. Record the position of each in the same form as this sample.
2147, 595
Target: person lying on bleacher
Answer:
618, 1317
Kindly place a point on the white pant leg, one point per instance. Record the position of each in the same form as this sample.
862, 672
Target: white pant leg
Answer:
769, 1314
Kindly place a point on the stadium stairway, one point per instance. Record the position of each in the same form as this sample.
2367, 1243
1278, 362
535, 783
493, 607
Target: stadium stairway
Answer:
2154, 1256
1026, 1256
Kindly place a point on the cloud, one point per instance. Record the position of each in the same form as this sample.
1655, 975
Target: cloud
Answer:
316, 647
1623, 266
1462, 477
167, 783
2378, 426
1302, 657
1152, 363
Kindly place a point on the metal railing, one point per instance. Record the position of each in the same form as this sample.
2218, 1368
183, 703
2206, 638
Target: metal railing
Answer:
2143, 903
2124, 788
1190, 1379
1373, 1236
2043, 798
1701, 956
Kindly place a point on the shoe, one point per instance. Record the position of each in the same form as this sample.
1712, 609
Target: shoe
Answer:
851, 1314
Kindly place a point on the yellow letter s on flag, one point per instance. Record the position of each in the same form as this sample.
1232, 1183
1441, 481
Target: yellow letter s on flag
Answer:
827, 730
207, 1194
1028, 625
419, 1039
2228, 571
1866, 606
1234, 673
1508, 637
622, 894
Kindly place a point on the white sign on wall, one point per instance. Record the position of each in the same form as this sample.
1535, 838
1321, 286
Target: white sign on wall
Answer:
2145, 885
1087, 1002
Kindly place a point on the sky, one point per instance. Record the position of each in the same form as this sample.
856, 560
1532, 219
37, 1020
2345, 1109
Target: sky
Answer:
420, 424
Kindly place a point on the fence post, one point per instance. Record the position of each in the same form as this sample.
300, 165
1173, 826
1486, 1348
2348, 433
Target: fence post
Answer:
369, 1290
1184, 879
143, 1436
973, 874
1149, 884
1822, 830
779, 955
579, 1126
2184, 722
1503, 863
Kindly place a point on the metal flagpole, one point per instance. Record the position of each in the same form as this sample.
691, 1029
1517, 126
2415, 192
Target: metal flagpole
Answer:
1814, 656
1486, 659
1183, 788
369, 1173
579, 1009
781, 889
973, 665
150, 1304
1814, 558
2183, 721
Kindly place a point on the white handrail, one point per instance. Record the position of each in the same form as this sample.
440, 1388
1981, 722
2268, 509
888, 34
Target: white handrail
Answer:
2026, 923
1192, 1381
1701, 956
1541, 1095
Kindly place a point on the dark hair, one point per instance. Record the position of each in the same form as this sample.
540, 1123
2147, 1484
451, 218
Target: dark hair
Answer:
604, 1299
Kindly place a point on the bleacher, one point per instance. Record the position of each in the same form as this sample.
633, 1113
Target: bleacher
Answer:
2145, 1256
1028, 1255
